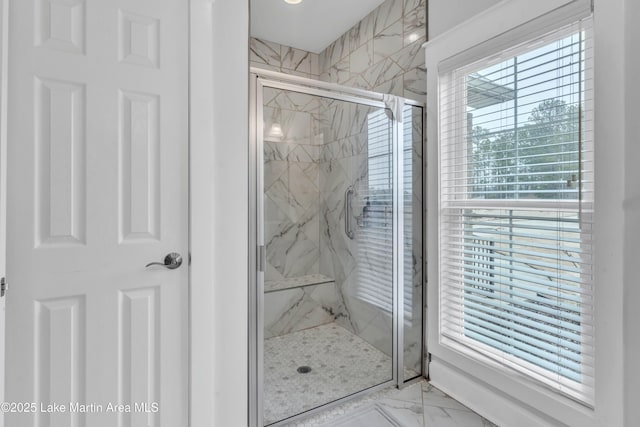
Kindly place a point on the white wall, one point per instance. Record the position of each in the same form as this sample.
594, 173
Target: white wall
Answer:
220, 213
632, 214
446, 14
230, 188
609, 216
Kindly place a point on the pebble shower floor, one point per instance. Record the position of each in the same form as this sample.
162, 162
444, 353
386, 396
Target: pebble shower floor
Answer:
341, 364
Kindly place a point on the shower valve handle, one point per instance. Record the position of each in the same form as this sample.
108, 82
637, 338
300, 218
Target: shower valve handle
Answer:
171, 261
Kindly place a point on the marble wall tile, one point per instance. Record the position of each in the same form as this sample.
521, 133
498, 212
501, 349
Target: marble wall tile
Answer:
340, 120
272, 273
325, 76
359, 121
296, 125
414, 84
291, 187
357, 81
339, 49
276, 150
276, 220
264, 66
382, 72
361, 58
269, 95
302, 191
287, 100
299, 155
388, 41
413, 351
264, 52
335, 242
411, 56
314, 64
339, 72
276, 57
369, 323
298, 73
273, 169
292, 253
414, 20
324, 60
361, 32
394, 86
397, 30
296, 59
296, 309
386, 14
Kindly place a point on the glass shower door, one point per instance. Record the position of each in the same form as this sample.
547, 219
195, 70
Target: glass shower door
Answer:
328, 299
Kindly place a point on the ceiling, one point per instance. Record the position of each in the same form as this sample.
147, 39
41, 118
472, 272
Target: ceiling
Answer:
311, 25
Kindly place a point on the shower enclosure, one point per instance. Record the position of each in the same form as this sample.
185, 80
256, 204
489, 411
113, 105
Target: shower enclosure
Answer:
337, 296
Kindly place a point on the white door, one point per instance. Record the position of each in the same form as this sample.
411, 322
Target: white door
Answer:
97, 176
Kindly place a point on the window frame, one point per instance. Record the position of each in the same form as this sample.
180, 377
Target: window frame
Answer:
455, 81
482, 383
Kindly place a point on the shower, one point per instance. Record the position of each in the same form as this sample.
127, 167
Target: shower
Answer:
338, 293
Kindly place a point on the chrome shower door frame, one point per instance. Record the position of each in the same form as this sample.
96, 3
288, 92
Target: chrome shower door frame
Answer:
259, 79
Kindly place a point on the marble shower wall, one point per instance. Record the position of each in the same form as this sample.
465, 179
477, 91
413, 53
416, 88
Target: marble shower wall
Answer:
382, 52
295, 309
300, 298
289, 60
353, 263
292, 148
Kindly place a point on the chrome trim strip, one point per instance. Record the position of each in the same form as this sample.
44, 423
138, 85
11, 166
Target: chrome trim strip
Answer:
254, 322
293, 87
260, 242
330, 87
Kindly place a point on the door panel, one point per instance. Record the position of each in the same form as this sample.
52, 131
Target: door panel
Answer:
98, 142
326, 215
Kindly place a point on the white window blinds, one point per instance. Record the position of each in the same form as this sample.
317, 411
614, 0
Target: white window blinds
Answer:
516, 204
375, 223
375, 236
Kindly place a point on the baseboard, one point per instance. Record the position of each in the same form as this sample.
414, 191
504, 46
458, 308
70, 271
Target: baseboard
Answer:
484, 399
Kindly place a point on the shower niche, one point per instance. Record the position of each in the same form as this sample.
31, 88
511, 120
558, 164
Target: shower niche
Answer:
339, 214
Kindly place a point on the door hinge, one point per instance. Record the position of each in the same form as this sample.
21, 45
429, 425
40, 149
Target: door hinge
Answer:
261, 258
3, 286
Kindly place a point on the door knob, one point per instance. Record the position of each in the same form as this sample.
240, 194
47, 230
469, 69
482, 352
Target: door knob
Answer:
171, 261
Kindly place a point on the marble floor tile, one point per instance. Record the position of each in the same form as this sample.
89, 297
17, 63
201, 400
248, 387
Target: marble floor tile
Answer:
407, 414
411, 394
369, 416
418, 405
431, 396
435, 416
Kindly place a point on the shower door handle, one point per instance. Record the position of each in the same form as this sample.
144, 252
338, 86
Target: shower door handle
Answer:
347, 213
171, 261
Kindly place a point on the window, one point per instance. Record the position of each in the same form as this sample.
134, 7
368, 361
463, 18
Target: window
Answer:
516, 205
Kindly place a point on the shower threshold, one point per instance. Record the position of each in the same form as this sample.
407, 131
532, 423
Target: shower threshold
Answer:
340, 362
